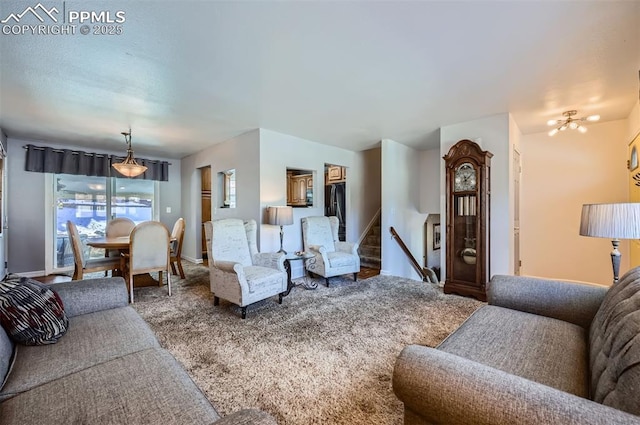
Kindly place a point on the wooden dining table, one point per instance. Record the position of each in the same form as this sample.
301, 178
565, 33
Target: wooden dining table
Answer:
121, 243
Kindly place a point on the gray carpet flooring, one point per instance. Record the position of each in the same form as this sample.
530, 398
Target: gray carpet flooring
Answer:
324, 356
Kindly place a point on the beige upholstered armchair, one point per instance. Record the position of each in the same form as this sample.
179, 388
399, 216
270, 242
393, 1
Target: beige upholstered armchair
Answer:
331, 257
238, 272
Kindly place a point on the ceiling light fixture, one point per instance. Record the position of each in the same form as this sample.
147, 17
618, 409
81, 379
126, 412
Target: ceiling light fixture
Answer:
570, 122
129, 167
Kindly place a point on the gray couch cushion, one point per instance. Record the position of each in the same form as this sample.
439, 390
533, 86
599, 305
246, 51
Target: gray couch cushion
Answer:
6, 355
541, 349
147, 387
615, 346
91, 295
91, 339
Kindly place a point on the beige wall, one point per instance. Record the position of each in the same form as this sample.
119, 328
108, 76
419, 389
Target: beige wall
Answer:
633, 135
633, 122
559, 175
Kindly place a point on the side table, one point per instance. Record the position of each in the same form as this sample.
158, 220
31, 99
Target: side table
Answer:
306, 282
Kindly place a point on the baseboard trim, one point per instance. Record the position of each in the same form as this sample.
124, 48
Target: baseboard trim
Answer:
36, 273
192, 260
385, 273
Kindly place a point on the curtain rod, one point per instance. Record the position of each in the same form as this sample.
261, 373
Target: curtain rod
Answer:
40, 148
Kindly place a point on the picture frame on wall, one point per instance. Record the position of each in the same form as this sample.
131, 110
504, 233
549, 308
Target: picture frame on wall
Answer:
436, 236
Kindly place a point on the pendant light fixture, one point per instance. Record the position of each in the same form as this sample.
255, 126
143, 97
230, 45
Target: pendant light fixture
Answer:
570, 122
129, 167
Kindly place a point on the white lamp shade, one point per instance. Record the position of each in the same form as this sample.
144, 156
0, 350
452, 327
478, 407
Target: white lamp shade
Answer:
129, 169
613, 221
280, 216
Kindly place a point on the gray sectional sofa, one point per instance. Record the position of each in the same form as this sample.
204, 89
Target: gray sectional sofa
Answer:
541, 352
107, 369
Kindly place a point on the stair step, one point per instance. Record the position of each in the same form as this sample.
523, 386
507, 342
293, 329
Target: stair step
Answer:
370, 262
371, 240
370, 247
370, 251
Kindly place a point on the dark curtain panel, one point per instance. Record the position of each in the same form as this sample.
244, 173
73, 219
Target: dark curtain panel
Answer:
65, 161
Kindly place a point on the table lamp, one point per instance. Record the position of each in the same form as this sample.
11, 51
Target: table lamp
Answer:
614, 221
280, 216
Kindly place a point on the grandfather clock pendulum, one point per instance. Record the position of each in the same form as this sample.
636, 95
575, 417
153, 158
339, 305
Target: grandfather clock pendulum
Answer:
468, 191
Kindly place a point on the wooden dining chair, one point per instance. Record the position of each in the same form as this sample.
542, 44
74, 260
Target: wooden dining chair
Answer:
177, 236
148, 252
120, 226
81, 264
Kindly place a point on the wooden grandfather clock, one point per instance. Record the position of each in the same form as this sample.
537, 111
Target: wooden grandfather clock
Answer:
468, 191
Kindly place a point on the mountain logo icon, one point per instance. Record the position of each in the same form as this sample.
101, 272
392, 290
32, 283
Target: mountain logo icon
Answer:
34, 11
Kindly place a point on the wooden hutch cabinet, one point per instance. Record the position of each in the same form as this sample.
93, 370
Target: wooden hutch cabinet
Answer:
467, 233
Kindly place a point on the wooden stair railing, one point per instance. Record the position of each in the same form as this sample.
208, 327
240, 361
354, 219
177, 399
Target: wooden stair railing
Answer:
426, 274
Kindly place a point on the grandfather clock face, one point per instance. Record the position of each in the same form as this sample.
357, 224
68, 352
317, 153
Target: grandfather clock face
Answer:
465, 178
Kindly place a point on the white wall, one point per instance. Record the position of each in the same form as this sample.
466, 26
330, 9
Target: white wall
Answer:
633, 123
492, 134
3, 205
27, 210
241, 153
3, 140
430, 180
560, 174
279, 151
261, 158
430, 202
515, 137
401, 208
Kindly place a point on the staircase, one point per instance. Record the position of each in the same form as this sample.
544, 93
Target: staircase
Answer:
369, 249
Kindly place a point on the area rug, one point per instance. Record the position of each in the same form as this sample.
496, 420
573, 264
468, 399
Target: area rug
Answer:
324, 356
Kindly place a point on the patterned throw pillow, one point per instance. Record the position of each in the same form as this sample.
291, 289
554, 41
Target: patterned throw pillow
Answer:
31, 313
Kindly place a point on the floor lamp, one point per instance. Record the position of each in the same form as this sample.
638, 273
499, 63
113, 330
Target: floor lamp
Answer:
614, 221
280, 216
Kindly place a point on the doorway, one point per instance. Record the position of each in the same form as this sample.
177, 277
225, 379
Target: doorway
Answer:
3, 234
517, 172
335, 196
205, 205
432, 241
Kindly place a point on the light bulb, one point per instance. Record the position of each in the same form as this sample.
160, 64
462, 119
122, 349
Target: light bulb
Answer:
582, 129
593, 117
552, 122
573, 125
563, 127
553, 132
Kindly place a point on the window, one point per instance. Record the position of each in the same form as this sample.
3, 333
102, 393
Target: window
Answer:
90, 202
228, 188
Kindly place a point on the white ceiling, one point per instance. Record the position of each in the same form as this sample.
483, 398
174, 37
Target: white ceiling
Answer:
188, 74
